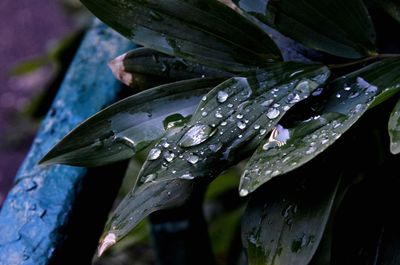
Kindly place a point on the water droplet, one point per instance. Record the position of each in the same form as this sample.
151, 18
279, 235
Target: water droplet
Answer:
204, 113
286, 108
276, 105
311, 150
193, 159
187, 176
347, 88
230, 105
318, 91
196, 135
149, 178
243, 192
154, 154
273, 113
256, 126
224, 123
267, 103
358, 108
293, 98
338, 95
324, 141
204, 98
263, 131
241, 125
218, 115
222, 96
169, 156
239, 116
215, 147
165, 144
240, 136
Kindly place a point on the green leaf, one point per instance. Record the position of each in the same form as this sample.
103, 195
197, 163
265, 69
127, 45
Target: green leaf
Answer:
128, 126
29, 66
394, 129
341, 27
136, 206
285, 220
206, 32
230, 122
351, 96
150, 62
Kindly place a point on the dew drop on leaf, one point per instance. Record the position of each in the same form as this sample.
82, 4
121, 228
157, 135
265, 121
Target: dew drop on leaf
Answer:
187, 176
154, 154
222, 96
196, 135
241, 125
169, 156
273, 113
193, 159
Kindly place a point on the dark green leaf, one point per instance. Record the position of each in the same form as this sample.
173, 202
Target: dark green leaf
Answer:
29, 66
339, 27
206, 32
136, 206
285, 220
119, 131
230, 122
351, 96
394, 129
150, 62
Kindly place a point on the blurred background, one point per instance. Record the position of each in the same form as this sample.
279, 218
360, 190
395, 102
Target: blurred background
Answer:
37, 42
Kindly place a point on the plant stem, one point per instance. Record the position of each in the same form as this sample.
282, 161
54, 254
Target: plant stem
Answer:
364, 60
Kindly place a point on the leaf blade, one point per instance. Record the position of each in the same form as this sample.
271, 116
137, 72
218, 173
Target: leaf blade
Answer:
394, 129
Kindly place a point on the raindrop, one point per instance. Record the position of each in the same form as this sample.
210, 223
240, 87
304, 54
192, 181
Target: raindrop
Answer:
358, 108
239, 116
154, 154
293, 98
204, 113
243, 192
311, 150
324, 141
273, 113
215, 147
187, 176
230, 105
266, 103
286, 108
196, 135
257, 126
263, 131
276, 105
224, 123
318, 91
193, 159
222, 96
338, 95
347, 88
240, 136
218, 115
169, 156
204, 98
241, 125
149, 178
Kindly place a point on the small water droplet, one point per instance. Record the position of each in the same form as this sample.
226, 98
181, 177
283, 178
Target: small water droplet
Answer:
204, 113
293, 98
193, 159
324, 141
311, 150
218, 115
230, 105
224, 123
256, 126
239, 116
358, 108
273, 113
149, 178
354, 94
196, 135
204, 98
169, 156
243, 192
241, 125
267, 103
347, 88
276, 105
154, 154
187, 176
222, 96
338, 95
286, 108
215, 147
263, 131
240, 136
165, 144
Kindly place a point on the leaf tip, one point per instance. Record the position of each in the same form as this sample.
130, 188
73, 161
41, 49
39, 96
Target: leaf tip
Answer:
109, 240
118, 69
395, 149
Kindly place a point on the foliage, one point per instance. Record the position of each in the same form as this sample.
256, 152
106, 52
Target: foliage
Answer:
224, 94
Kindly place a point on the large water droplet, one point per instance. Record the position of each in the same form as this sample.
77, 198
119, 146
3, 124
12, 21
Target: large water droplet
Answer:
222, 96
169, 156
196, 135
193, 159
154, 154
241, 125
243, 192
273, 113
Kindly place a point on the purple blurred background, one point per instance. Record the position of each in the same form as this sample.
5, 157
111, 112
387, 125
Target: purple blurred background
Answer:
28, 29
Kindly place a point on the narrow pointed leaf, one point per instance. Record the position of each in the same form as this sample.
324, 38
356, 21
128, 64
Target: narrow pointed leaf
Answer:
119, 131
394, 129
136, 206
231, 121
285, 220
351, 96
206, 32
150, 62
342, 28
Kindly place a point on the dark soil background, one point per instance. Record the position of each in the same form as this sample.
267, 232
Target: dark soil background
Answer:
27, 30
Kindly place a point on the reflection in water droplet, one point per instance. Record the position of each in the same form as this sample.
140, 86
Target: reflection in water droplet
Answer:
169, 156
222, 96
192, 159
187, 176
241, 125
154, 154
273, 113
243, 192
196, 135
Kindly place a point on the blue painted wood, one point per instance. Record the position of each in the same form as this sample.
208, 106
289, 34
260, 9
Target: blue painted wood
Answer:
39, 204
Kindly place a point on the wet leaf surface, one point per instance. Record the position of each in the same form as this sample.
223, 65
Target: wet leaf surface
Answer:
394, 129
128, 126
206, 32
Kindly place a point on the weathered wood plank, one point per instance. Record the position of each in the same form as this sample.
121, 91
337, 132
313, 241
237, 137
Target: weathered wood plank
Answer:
40, 201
